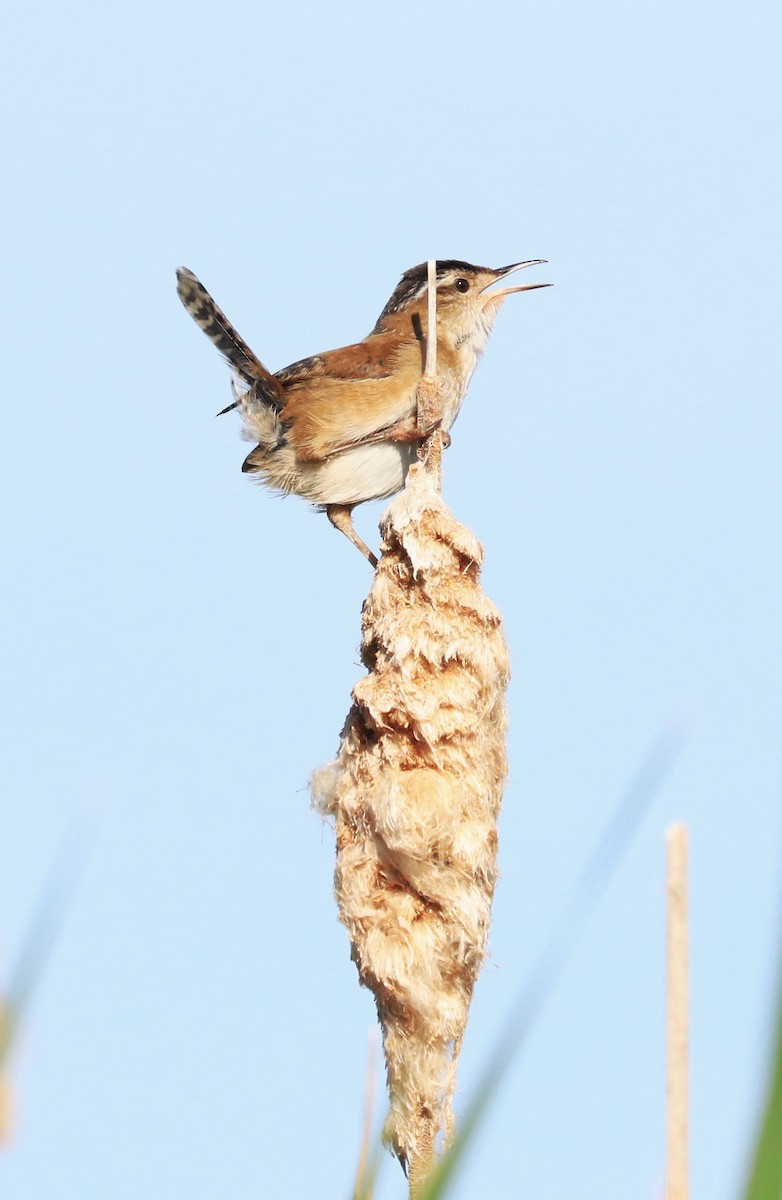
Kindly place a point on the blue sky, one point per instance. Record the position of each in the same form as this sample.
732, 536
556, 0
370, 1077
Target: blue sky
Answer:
182, 646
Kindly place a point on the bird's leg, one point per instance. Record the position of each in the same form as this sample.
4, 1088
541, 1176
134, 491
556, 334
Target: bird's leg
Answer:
408, 430
341, 519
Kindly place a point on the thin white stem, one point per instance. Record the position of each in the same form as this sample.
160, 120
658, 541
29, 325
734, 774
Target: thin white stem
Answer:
428, 398
430, 368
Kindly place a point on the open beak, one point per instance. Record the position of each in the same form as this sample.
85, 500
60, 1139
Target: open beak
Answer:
503, 272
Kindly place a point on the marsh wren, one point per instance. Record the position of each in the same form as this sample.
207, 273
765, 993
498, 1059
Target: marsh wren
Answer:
342, 427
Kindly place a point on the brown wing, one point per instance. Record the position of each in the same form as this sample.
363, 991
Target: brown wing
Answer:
345, 397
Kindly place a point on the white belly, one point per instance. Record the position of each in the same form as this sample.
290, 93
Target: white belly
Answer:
363, 473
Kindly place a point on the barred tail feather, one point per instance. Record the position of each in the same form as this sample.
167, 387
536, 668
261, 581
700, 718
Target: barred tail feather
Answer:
219, 329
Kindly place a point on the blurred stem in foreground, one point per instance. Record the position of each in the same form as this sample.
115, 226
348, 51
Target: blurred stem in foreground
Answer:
678, 1019
765, 1173
369, 1155
45, 926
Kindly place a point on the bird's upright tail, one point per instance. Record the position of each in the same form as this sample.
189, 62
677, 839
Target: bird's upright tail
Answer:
221, 332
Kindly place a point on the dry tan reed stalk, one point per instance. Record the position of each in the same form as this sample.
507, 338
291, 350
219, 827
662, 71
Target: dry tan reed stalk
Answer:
414, 794
677, 1182
5, 1090
5, 1114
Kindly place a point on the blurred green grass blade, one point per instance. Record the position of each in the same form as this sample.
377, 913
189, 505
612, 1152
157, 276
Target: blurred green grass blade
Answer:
6, 1030
597, 874
370, 1149
765, 1177
365, 1186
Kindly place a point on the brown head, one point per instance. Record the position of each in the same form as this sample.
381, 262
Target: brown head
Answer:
467, 300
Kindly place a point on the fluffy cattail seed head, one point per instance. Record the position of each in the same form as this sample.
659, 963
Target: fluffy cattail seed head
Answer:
414, 794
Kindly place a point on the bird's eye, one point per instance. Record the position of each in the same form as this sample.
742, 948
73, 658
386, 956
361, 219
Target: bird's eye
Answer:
462, 285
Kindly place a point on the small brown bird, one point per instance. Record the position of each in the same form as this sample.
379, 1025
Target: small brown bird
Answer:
342, 427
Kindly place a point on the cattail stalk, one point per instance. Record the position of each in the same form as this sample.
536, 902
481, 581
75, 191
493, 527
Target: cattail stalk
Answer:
414, 794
